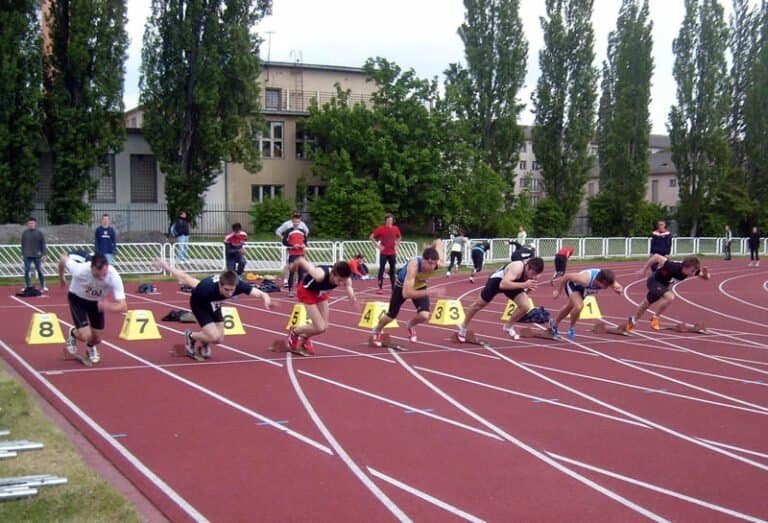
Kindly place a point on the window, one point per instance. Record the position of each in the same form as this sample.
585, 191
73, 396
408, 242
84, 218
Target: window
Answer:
523, 147
591, 189
272, 99
523, 165
143, 178
536, 166
673, 182
105, 182
271, 144
304, 142
259, 193
655, 191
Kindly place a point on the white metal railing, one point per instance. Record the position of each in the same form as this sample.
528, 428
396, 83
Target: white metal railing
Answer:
202, 257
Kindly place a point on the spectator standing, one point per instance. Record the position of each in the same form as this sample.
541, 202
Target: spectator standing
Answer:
296, 240
180, 231
386, 238
105, 239
234, 244
478, 257
727, 239
457, 251
295, 222
754, 247
661, 245
33, 251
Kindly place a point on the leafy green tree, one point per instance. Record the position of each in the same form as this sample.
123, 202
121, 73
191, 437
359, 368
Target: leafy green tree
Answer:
20, 78
483, 97
267, 215
624, 124
756, 125
83, 103
698, 124
200, 92
564, 104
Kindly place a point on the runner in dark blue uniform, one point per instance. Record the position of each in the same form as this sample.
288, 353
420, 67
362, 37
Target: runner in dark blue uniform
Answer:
313, 293
205, 302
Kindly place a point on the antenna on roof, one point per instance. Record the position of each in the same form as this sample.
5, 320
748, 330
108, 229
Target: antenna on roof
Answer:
296, 57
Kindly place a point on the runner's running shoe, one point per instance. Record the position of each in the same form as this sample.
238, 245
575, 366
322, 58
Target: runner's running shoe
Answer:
308, 346
655, 323
572, 333
631, 322
205, 351
512, 332
72, 342
462, 334
293, 339
553, 329
412, 335
378, 338
189, 343
93, 354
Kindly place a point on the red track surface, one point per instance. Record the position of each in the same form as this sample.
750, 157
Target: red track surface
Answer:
660, 425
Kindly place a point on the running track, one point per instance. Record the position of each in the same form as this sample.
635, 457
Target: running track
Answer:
660, 425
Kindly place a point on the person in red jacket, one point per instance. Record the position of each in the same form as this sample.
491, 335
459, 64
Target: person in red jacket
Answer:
235, 249
386, 238
358, 267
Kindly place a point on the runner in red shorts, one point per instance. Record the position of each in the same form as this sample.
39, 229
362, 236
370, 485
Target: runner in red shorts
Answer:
313, 293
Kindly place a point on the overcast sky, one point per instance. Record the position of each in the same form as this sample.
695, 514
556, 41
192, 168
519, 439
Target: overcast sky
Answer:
419, 34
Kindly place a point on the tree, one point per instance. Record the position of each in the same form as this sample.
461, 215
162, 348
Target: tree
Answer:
624, 120
698, 123
200, 92
20, 78
756, 125
564, 103
483, 96
744, 37
83, 102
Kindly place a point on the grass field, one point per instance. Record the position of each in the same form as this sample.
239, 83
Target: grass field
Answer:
85, 497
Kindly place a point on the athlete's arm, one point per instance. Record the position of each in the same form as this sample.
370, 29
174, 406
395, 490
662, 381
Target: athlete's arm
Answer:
180, 275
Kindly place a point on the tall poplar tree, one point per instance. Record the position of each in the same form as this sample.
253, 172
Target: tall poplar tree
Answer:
743, 44
83, 69
483, 96
624, 121
698, 124
20, 78
756, 124
200, 92
564, 103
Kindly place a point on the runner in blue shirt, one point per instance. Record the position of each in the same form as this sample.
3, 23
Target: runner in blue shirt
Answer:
577, 286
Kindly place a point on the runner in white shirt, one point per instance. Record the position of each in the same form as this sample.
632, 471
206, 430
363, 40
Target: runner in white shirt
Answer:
91, 285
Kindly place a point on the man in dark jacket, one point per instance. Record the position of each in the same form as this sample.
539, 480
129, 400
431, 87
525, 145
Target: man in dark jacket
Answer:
33, 250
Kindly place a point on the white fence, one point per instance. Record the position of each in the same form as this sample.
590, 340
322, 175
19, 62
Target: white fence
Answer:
200, 257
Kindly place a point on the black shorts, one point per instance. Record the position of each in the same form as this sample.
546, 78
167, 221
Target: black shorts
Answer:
656, 289
397, 300
85, 312
204, 312
492, 288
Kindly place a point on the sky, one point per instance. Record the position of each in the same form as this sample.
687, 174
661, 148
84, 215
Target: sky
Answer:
419, 35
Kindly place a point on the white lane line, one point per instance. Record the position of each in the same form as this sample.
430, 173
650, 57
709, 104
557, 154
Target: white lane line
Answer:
661, 490
426, 497
531, 397
403, 406
633, 416
124, 452
696, 372
272, 423
737, 449
527, 448
646, 389
721, 287
343, 455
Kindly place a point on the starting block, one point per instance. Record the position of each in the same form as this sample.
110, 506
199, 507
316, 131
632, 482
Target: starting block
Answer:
602, 328
591, 310
232, 323
447, 312
44, 328
511, 306
373, 312
298, 317
697, 328
139, 325
529, 332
